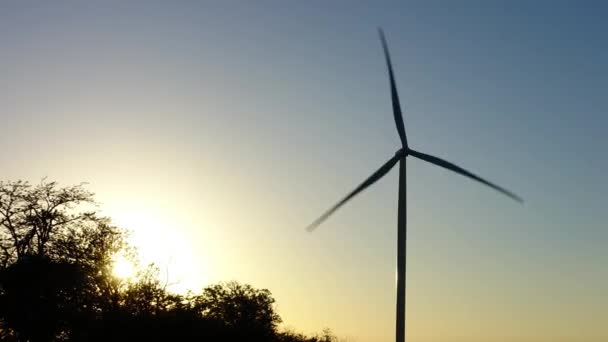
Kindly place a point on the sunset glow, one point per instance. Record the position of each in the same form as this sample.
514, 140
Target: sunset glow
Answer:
158, 241
123, 268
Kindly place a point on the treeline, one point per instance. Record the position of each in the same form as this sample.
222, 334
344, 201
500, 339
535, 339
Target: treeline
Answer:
56, 282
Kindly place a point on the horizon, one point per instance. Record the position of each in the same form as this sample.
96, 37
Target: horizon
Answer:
220, 131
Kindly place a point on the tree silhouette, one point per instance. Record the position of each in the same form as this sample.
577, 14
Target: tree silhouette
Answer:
239, 306
56, 282
36, 220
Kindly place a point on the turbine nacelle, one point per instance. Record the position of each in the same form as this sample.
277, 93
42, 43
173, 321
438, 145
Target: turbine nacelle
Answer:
402, 153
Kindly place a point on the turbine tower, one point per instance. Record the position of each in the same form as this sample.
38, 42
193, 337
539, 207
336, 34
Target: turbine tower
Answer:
400, 157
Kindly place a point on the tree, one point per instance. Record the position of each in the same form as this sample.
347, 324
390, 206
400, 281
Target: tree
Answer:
55, 261
289, 336
149, 296
33, 218
239, 306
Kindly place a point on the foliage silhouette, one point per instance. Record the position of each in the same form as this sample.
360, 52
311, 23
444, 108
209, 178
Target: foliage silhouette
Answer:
41, 297
239, 305
56, 282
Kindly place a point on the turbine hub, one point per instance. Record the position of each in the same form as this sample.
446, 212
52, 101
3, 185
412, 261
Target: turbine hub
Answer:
402, 153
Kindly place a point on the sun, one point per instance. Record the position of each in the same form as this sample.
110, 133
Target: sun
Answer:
123, 268
159, 241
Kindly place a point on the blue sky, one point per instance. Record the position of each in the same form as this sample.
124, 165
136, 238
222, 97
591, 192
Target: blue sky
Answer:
226, 127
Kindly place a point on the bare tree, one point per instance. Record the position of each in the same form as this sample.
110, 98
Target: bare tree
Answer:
33, 217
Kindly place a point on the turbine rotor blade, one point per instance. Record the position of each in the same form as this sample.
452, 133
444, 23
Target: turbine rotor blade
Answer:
394, 95
381, 172
459, 170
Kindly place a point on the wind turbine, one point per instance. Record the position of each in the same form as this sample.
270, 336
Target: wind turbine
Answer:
399, 157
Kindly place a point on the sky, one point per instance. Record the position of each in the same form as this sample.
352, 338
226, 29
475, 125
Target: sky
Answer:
217, 131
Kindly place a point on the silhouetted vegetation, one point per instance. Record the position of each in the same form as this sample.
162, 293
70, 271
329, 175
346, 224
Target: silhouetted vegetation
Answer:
56, 282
